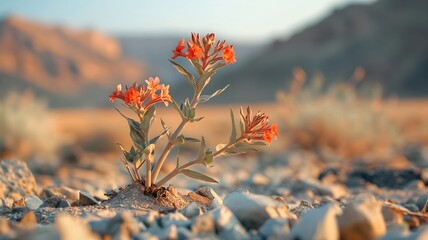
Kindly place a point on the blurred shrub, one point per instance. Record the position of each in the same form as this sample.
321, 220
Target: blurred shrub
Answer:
345, 120
24, 126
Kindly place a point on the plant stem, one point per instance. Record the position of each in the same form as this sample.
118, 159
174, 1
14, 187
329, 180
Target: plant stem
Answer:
170, 144
148, 174
177, 171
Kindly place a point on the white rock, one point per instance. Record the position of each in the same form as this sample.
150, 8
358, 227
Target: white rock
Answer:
192, 210
224, 220
16, 180
253, 210
319, 223
275, 228
70, 228
32, 202
177, 219
362, 218
211, 194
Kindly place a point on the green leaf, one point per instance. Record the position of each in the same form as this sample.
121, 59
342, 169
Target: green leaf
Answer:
148, 120
209, 158
196, 119
155, 139
137, 135
178, 163
125, 153
174, 103
189, 139
233, 133
198, 175
201, 153
241, 126
203, 80
197, 66
205, 98
188, 76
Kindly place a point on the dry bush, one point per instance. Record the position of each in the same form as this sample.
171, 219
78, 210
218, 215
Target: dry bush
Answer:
24, 127
347, 120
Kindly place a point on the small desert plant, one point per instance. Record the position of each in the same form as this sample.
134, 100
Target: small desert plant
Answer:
25, 126
349, 119
206, 56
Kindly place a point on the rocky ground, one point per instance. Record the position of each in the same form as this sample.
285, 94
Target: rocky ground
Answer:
293, 195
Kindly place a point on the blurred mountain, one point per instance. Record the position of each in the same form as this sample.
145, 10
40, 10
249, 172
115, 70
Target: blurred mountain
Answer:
388, 38
156, 50
68, 67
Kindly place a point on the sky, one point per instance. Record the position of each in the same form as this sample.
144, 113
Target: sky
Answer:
244, 20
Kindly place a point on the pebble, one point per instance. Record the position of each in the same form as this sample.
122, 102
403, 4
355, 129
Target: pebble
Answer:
320, 223
212, 195
16, 180
362, 219
33, 202
177, 219
275, 228
192, 210
86, 199
253, 209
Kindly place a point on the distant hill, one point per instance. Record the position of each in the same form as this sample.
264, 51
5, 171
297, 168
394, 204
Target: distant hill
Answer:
68, 67
156, 51
388, 38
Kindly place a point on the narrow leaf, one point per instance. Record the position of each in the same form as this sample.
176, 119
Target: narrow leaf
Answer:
233, 133
178, 163
196, 119
188, 76
155, 139
198, 175
174, 103
125, 153
204, 98
202, 149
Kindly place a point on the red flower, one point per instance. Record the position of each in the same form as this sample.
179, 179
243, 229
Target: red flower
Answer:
257, 127
117, 93
193, 50
178, 51
131, 96
153, 84
228, 54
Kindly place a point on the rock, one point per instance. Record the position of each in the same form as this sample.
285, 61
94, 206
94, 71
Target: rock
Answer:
412, 207
362, 219
203, 224
69, 194
303, 207
274, 228
169, 233
16, 180
63, 204
253, 210
392, 216
236, 233
225, 221
51, 202
86, 199
319, 223
199, 198
33, 202
150, 218
334, 190
258, 179
70, 227
123, 223
184, 233
422, 203
28, 220
192, 210
177, 219
212, 195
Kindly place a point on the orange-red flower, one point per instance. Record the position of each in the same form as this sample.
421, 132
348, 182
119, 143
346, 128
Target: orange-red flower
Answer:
131, 96
153, 84
142, 98
228, 54
193, 50
117, 93
178, 51
257, 127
